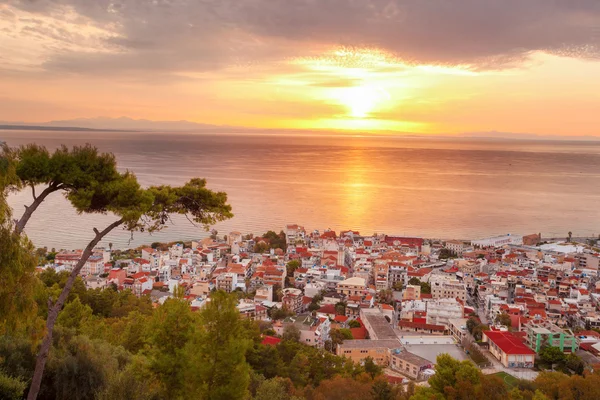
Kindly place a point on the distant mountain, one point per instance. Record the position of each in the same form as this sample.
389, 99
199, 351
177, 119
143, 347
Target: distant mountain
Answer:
146, 125
134, 124
53, 128
521, 136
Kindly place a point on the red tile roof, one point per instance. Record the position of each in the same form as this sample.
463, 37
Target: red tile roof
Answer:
508, 343
340, 318
327, 309
359, 333
270, 341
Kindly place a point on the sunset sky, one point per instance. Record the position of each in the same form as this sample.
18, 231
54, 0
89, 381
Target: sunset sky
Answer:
421, 66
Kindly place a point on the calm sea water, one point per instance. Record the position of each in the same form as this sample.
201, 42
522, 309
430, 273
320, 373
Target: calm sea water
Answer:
448, 188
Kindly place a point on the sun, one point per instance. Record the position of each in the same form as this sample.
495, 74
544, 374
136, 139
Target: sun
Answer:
362, 100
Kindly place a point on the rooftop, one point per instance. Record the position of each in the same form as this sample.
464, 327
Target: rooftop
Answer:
508, 343
371, 344
412, 358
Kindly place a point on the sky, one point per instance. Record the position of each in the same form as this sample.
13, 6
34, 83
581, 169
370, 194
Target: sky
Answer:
418, 66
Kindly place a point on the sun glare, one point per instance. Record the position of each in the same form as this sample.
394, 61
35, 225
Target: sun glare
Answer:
362, 100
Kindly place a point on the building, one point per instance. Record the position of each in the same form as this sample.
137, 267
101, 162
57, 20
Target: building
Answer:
441, 311
274, 276
292, 299
293, 234
352, 287
412, 292
532, 240
264, 293
458, 328
451, 288
509, 350
68, 258
378, 323
314, 331
499, 241
227, 282
359, 350
201, 288
457, 247
541, 334
409, 364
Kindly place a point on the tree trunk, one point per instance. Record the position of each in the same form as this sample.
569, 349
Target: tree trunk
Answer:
55, 308
29, 210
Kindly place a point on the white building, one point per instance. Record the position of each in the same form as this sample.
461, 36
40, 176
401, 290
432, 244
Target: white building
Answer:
499, 241
440, 312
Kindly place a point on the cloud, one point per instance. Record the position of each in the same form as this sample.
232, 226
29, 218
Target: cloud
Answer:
178, 36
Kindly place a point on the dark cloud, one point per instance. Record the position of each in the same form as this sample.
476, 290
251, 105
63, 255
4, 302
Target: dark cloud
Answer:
196, 35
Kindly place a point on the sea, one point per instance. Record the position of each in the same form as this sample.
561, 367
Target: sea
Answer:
433, 187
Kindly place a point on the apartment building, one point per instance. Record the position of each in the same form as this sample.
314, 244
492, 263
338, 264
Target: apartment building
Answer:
358, 350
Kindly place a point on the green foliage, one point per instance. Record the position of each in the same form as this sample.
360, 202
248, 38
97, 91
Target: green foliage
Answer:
276, 241
551, 355
17, 258
414, 281
79, 367
372, 368
291, 267
274, 389
446, 254
340, 308
74, 315
260, 247
471, 324
454, 377
291, 332
218, 352
338, 336
171, 328
11, 388
574, 363
279, 313
17, 280
503, 319
354, 324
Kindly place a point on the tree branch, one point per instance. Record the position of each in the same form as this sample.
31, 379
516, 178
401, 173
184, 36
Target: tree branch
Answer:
33, 191
191, 222
29, 210
53, 312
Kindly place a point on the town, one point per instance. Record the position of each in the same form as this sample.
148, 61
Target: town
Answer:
514, 305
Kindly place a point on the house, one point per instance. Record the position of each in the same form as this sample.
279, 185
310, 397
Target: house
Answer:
292, 299
264, 293
359, 350
352, 286
117, 276
227, 282
458, 328
274, 276
448, 288
422, 328
314, 331
457, 247
201, 288
409, 364
439, 312
540, 333
509, 349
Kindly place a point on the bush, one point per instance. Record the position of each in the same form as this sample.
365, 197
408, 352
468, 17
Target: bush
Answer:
11, 388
